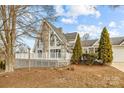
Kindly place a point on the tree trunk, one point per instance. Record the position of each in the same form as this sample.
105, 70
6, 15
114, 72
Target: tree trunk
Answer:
9, 19
9, 64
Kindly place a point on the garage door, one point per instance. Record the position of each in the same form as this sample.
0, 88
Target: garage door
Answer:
118, 54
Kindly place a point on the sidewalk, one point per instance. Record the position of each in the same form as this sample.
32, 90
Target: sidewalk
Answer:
119, 66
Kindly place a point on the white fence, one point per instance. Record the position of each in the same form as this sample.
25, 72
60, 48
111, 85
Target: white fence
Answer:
24, 60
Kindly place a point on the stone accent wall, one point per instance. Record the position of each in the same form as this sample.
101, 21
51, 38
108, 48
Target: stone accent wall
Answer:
45, 37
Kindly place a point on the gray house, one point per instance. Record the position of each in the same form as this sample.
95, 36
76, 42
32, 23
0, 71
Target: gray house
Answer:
91, 46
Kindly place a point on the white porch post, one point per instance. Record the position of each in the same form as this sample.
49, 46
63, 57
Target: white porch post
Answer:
56, 54
88, 50
65, 53
29, 58
49, 47
94, 49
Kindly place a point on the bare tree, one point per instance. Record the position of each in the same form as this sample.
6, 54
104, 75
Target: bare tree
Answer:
86, 36
17, 22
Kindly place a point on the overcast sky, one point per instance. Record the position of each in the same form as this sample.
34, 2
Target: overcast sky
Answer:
87, 19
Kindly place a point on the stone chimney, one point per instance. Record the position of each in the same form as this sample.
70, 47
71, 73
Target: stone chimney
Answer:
45, 37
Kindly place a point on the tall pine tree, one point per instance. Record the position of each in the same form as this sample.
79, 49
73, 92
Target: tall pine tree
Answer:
105, 48
77, 51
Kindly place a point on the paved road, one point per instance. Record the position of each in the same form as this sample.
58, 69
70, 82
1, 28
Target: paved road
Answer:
119, 66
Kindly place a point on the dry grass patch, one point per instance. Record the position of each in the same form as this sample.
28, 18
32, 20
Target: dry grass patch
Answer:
71, 76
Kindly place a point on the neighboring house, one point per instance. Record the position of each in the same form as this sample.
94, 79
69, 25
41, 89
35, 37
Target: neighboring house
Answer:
21, 49
53, 43
91, 46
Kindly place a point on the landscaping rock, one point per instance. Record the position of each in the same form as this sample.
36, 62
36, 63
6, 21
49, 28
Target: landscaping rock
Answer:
70, 68
98, 75
5, 76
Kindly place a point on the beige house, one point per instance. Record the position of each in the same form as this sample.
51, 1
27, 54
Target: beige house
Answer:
91, 46
53, 43
53, 47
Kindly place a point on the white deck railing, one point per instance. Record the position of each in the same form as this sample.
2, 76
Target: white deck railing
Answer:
43, 56
23, 60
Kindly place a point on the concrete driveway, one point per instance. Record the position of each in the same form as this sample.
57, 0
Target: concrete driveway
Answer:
119, 66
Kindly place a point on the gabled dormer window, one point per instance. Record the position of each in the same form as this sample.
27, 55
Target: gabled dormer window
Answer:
54, 40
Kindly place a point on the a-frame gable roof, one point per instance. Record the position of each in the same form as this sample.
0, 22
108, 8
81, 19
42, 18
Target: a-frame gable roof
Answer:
87, 43
58, 31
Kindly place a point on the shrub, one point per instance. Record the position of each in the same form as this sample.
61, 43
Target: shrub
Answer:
89, 58
2, 64
70, 68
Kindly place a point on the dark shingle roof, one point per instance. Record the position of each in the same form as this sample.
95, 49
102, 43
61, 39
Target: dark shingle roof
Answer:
114, 41
117, 40
70, 36
88, 42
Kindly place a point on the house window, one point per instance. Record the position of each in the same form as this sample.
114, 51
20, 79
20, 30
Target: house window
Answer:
85, 51
39, 53
55, 53
40, 44
57, 42
52, 53
58, 53
52, 39
96, 50
91, 50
